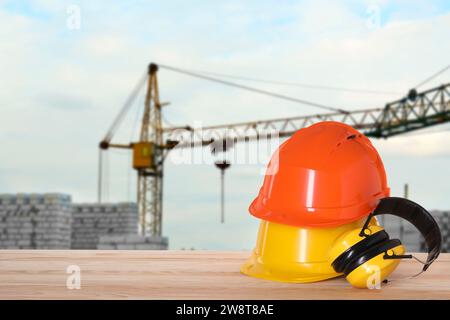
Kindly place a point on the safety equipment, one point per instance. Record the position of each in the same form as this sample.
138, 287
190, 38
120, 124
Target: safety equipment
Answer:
325, 175
344, 239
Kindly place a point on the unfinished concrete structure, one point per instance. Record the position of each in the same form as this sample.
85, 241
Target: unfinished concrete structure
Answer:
132, 242
90, 221
443, 219
52, 221
403, 230
414, 242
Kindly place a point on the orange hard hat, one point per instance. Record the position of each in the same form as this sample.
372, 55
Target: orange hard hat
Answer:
325, 175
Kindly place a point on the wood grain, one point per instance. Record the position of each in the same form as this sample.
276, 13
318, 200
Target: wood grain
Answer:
34, 274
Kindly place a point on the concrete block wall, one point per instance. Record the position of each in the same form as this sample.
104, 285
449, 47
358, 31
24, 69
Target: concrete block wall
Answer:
35, 221
443, 219
52, 221
410, 237
91, 221
132, 242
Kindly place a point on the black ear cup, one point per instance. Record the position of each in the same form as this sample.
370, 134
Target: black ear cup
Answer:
369, 253
352, 253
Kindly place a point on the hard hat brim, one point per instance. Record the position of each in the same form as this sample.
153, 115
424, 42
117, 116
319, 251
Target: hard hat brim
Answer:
302, 273
292, 254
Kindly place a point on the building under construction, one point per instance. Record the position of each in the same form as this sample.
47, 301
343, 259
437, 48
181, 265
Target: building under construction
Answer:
53, 221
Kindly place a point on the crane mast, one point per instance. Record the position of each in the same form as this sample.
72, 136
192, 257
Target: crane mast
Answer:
149, 182
148, 156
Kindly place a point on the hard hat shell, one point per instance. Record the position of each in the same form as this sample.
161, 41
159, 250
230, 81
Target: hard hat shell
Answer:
328, 174
292, 254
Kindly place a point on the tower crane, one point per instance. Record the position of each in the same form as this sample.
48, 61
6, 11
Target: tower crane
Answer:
415, 111
148, 155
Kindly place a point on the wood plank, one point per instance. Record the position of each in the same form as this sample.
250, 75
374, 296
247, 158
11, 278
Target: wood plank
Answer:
35, 274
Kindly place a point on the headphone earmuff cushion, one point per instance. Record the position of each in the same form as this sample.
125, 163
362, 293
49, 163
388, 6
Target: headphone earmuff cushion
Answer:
357, 249
370, 253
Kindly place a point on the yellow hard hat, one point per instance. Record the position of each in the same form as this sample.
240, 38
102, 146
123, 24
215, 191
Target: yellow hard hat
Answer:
295, 254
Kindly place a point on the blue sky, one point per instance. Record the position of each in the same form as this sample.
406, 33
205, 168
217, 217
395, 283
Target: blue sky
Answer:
392, 10
61, 88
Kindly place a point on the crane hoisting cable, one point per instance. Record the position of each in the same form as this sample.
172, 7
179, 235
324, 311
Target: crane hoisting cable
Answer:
256, 90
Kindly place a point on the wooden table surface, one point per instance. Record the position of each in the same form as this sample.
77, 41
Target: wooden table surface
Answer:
36, 274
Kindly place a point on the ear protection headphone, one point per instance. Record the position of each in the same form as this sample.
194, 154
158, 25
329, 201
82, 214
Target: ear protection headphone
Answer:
368, 256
